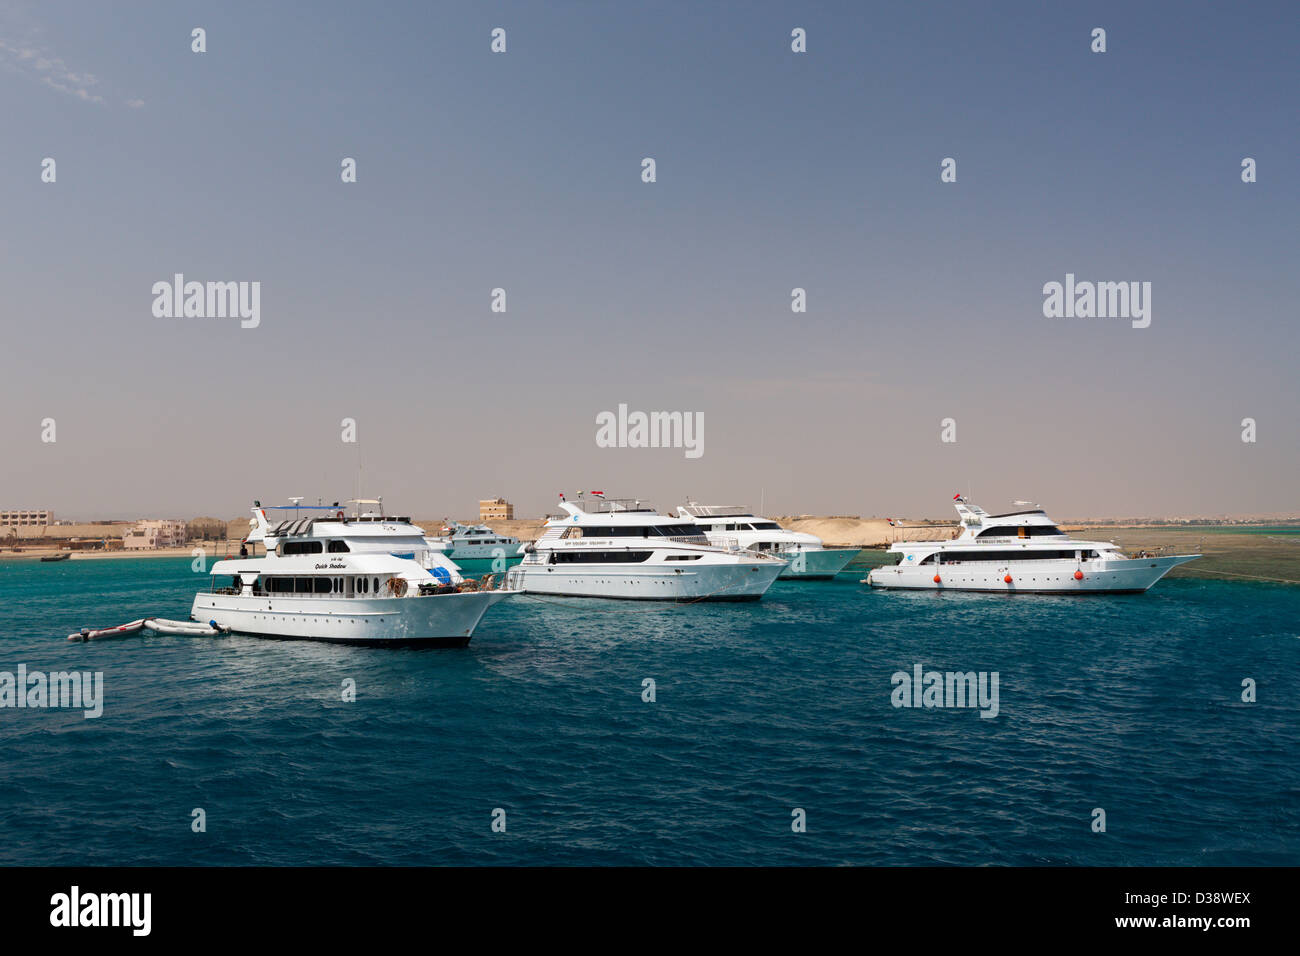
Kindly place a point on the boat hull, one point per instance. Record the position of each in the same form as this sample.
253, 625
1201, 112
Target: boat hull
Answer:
484, 552
819, 564
1129, 576
446, 620
740, 581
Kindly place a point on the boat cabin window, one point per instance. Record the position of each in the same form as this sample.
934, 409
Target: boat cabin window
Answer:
765, 526
303, 584
679, 530
301, 547
1020, 531
338, 547
636, 531
226, 584
600, 557
1001, 557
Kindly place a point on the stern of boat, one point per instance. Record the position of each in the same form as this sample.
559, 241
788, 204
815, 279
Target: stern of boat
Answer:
822, 563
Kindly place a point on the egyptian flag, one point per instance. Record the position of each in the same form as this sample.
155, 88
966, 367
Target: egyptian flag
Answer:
599, 494
958, 498
561, 495
891, 522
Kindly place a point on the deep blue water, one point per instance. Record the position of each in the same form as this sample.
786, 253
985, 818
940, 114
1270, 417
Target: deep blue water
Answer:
1128, 703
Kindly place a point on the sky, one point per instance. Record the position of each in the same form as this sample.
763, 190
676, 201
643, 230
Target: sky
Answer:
774, 170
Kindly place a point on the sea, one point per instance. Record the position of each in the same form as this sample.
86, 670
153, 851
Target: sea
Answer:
1135, 730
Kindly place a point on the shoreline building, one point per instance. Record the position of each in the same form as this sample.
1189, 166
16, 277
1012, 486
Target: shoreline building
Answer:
156, 533
26, 518
495, 509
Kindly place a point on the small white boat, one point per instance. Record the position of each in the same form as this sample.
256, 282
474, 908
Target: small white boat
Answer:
805, 555
99, 634
477, 543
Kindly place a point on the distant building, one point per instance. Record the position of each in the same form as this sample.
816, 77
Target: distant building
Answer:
25, 519
495, 509
159, 533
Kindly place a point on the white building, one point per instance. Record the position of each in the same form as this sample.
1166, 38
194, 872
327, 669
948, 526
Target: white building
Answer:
157, 533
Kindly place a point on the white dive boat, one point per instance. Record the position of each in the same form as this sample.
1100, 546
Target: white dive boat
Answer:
804, 553
367, 579
621, 548
1019, 552
474, 543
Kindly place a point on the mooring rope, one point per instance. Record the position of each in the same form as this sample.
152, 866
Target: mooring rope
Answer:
1238, 574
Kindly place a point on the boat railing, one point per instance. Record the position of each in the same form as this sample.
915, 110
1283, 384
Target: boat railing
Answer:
594, 505
689, 539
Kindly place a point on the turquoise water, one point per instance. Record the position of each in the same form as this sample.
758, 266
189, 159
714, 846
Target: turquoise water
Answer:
1127, 703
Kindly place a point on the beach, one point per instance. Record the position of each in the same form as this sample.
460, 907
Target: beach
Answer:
1234, 551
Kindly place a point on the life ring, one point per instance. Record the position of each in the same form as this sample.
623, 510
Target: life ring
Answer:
397, 587
339, 516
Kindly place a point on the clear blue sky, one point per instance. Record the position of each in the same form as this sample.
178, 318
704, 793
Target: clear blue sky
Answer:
775, 170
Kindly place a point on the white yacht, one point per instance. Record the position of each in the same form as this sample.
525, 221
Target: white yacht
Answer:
365, 579
622, 548
474, 543
1019, 552
806, 556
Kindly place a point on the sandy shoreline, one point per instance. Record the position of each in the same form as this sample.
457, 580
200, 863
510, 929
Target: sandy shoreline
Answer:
217, 552
1229, 552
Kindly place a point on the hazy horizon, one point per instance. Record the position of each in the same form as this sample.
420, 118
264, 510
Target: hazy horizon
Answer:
775, 170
